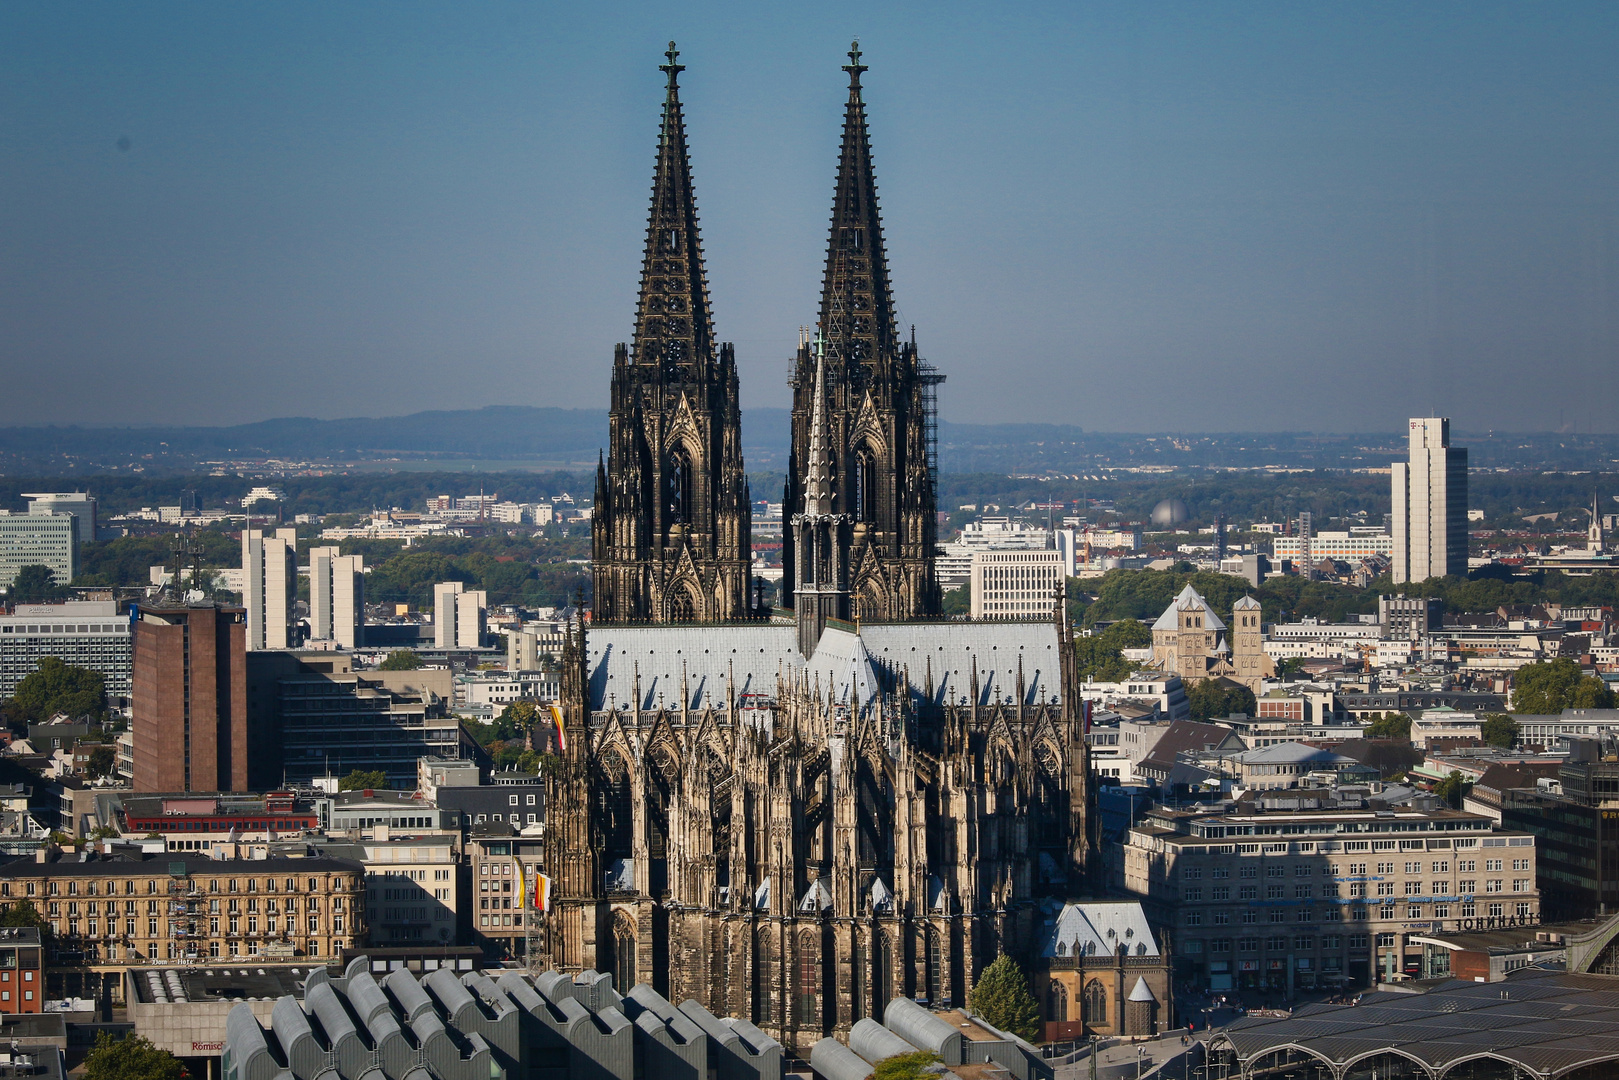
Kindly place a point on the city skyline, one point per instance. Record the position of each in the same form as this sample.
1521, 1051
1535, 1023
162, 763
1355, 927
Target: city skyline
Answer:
1158, 219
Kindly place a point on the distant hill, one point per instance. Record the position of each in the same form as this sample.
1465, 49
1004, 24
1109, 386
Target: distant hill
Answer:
525, 436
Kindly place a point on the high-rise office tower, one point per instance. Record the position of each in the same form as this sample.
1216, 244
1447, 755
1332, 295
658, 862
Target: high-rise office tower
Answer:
189, 707
336, 596
458, 616
1430, 504
269, 587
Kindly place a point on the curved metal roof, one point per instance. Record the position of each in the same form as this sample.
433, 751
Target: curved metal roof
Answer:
1546, 1023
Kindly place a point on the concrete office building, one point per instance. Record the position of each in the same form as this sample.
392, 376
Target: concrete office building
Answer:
86, 633
1351, 546
1430, 505
1015, 584
189, 706
78, 503
330, 719
458, 616
337, 597
49, 540
270, 587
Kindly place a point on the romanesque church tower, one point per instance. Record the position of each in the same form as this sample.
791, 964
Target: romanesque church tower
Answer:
671, 526
877, 401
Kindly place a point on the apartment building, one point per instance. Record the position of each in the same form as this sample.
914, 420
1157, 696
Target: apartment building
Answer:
503, 868
1312, 889
336, 597
133, 909
412, 884
270, 587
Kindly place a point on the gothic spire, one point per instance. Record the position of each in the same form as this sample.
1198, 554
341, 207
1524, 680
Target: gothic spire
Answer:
857, 307
818, 474
673, 322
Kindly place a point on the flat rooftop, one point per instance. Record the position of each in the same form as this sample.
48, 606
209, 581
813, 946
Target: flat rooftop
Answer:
182, 985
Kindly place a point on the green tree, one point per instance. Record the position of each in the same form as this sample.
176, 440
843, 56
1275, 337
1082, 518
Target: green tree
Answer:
23, 913
516, 720
35, 584
1499, 729
401, 660
1002, 997
1550, 687
1214, 699
363, 780
100, 763
1453, 788
1389, 726
1101, 656
957, 601
911, 1066
55, 687
1291, 666
131, 1058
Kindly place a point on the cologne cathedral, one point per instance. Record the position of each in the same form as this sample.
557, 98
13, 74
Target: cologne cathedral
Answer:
796, 815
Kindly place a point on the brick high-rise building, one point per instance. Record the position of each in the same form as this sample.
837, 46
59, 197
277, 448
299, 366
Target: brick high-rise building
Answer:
190, 699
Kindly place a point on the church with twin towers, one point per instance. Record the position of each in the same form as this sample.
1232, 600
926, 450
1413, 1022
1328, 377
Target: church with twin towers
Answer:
797, 812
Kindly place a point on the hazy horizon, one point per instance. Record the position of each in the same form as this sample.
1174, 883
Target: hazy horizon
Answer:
1176, 218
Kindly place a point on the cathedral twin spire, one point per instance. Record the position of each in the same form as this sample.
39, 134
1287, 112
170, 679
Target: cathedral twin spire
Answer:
671, 532
673, 321
857, 304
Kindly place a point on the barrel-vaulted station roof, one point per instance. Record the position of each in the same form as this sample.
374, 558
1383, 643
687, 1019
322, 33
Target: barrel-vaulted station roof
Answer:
1536, 1024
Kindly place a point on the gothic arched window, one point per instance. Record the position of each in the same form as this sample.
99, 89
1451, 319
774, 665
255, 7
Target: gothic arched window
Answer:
678, 505
659, 797
681, 607
623, 961
1094, 1003
935, 968
870, 814
1056, 1002
857, 977
613, 807
808, 987
865, 485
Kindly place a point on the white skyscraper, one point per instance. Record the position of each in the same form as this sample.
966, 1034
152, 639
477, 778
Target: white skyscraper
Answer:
458, 616
1430, 505
336, 596
269, 587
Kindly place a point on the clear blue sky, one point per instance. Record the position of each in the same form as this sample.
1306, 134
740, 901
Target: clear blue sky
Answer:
1182, 217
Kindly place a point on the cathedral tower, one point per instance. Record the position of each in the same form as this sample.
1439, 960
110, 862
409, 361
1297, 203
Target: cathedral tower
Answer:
878, 395
670, 530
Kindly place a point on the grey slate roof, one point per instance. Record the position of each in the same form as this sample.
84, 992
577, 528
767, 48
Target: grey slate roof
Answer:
704, 658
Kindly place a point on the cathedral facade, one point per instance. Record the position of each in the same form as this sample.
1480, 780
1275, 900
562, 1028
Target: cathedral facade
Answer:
795, 818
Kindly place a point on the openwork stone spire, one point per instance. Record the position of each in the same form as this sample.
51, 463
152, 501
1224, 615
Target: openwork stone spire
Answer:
673, 322
671, 530
818, 473
857, 304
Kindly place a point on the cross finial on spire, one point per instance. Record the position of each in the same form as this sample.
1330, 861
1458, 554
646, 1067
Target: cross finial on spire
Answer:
854, 67
672, 68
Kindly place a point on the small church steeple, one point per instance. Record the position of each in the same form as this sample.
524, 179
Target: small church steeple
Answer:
821, 537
